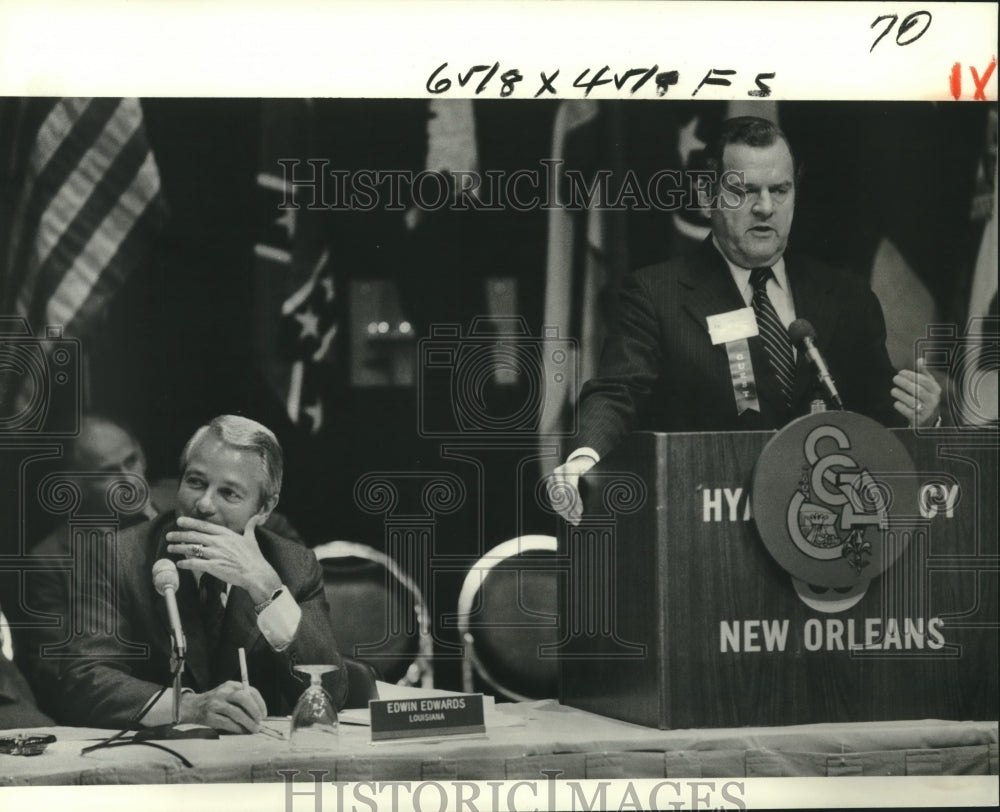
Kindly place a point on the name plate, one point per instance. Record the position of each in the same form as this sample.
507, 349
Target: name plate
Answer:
432, 716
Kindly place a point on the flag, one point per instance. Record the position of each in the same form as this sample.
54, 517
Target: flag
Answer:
87, 201
907, 304
586, 256
983, 296
977, 397
297, 306
572, 117
451, 145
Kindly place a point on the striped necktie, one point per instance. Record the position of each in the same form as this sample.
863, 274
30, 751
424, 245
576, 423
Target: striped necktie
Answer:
773, 333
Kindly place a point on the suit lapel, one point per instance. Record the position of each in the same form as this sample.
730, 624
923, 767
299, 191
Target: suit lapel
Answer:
709, 289
707, 286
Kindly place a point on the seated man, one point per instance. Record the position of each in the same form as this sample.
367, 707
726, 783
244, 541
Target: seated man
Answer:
105, 451
240, 586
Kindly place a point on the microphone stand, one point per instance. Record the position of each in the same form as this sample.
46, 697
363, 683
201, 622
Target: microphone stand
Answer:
176, 730
147, 735
177, 666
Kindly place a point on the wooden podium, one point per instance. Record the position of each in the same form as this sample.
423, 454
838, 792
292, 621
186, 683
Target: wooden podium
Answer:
675, 614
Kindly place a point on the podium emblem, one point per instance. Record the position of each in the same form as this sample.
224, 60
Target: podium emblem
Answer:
830, 490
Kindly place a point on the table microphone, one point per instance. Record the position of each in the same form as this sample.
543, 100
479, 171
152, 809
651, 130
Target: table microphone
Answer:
166, 581
803, 335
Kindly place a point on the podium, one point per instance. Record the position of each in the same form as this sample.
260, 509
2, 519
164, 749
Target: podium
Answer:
676, 615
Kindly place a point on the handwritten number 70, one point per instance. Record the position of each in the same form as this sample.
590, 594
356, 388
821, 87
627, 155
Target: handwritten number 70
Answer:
910, 21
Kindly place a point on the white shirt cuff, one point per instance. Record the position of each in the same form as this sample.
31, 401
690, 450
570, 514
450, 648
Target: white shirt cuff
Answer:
279, 621
584, 452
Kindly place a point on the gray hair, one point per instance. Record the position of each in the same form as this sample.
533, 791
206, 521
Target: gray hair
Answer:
246, 435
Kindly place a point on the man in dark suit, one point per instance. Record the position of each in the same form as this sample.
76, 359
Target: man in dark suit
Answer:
700, 342
103, 455
240, 586
17, 703
106, 453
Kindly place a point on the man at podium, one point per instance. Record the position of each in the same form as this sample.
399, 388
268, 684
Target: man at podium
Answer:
701, 343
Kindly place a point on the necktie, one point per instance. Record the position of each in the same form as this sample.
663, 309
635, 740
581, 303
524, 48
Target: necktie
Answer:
210, 590
773, 333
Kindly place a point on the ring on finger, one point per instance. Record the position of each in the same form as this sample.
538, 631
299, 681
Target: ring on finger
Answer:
920, 406
199, 551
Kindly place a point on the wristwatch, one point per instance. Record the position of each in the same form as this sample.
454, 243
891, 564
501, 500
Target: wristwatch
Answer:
260, 607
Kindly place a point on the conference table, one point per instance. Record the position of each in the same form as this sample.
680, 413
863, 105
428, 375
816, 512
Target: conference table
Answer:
529, 741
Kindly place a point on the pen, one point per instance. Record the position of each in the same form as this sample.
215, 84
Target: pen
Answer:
245, 677
243, 668
270, 731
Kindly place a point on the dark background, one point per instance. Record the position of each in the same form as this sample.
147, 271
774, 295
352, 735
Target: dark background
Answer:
176, 346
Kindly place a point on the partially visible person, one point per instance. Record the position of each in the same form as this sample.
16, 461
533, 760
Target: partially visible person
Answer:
240, 586
103, 451
17, 702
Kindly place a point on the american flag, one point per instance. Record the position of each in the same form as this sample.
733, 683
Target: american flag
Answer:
86, 199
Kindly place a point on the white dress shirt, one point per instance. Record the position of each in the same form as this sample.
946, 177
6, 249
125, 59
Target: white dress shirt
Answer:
777, 288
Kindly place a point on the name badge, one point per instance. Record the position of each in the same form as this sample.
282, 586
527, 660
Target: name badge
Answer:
430, 716
732, 326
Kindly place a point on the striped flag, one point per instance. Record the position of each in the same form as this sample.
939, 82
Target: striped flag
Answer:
86, 202
586, 256
978, 381
573, 116
297, 305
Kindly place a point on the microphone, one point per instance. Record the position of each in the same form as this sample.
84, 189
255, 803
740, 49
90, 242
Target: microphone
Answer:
166, 581
803, 334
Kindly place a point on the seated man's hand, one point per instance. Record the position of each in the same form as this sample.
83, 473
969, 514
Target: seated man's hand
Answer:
230, 557
563, 486
916, 395
229, 707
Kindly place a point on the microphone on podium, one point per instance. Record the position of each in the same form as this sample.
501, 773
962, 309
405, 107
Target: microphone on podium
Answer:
803, 335
166, 581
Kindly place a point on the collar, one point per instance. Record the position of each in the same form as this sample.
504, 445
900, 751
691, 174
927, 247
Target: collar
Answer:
741, 276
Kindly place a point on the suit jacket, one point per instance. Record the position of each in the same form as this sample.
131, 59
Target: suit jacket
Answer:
47, 592
659, 370
116, 669
17, 704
